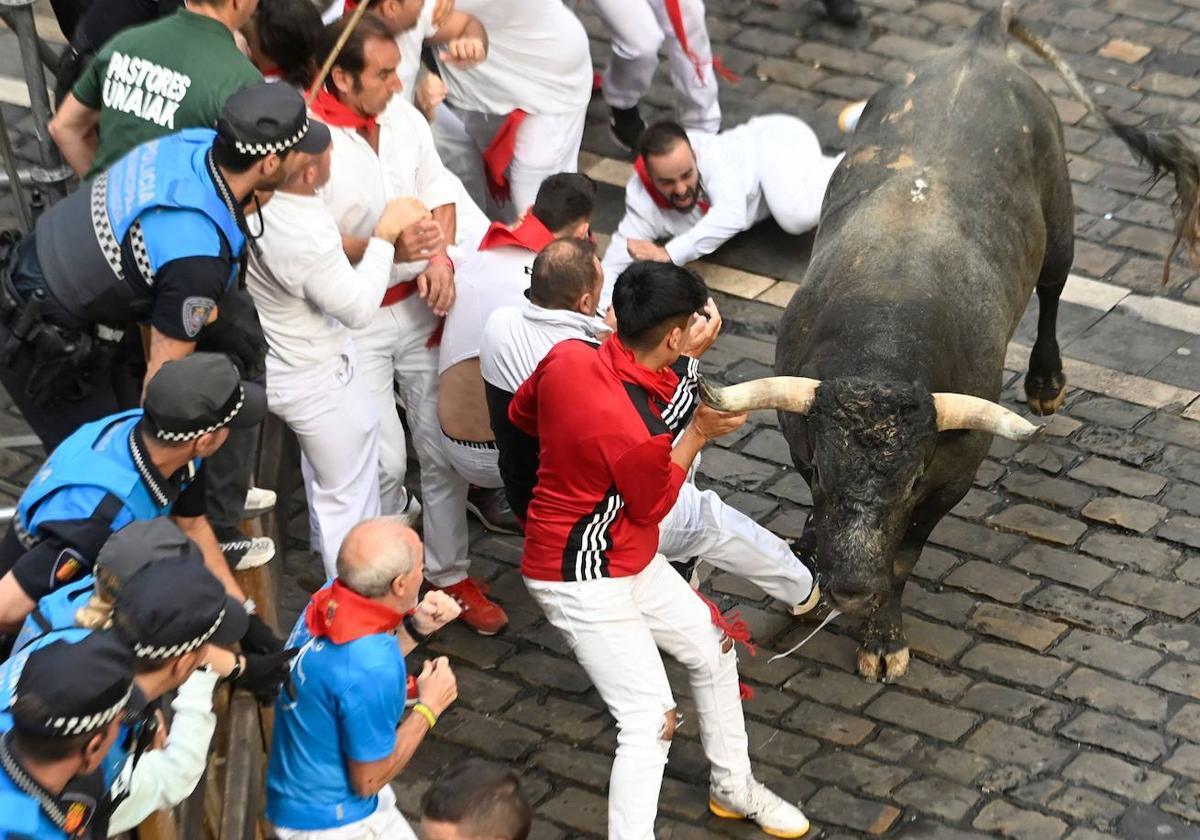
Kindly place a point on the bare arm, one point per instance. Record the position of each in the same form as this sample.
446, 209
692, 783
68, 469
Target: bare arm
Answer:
355, 247
448, 220
73, 129
368, 777
459, 24
201, 533
163, 349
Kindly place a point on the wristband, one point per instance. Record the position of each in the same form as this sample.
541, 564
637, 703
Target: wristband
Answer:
411, 629
442, 258
427, 713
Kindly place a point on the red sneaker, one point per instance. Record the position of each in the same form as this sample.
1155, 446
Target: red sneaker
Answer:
482, 615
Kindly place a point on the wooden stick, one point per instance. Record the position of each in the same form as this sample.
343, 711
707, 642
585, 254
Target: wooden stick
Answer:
336, 51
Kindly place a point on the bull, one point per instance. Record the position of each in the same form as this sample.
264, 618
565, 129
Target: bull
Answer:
952, 205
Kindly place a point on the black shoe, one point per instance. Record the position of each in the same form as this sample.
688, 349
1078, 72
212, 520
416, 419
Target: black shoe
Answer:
843, 12
491, 508
626, 127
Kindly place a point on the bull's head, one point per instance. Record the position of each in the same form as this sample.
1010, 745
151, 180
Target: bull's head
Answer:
868, 445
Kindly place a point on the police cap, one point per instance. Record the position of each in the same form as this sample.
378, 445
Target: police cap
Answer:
138, 544
267, 118
173, 606
199, 394
74, 688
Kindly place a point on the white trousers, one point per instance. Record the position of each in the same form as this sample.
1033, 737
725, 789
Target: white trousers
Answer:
331, 413
638, 29
392, 349
546, 144
387, 823
478, 464
616, 627
793, 170
700, 524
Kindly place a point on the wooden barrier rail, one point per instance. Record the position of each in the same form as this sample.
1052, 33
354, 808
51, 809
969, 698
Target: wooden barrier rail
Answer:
228, 803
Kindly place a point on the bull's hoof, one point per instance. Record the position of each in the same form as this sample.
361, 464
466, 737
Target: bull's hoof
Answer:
1045, 394
878, 666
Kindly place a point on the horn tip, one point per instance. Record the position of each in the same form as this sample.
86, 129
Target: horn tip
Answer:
710, 395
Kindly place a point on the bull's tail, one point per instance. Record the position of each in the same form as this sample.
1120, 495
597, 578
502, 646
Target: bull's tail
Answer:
1163, 150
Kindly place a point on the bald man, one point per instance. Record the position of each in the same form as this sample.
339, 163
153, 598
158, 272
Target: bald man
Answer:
339, 739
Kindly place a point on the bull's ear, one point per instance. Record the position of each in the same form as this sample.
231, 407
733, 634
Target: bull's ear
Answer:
789, 393
963, 411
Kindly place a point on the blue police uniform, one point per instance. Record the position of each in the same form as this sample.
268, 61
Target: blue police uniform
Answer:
96, 482
21, 817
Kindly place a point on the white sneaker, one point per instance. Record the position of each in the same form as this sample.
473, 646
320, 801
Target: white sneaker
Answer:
259, 500
749, 799
411, 515
848, 119
249, 553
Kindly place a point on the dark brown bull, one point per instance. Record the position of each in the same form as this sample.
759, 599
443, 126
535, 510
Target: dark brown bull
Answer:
952, 205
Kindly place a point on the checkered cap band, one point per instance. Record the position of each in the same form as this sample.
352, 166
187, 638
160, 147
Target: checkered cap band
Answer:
106, 238
179, 437
80, 724
144, 651
261, 149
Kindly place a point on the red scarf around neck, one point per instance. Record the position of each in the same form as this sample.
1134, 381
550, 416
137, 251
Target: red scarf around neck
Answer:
529, 233
659, 199
499, 154
342, 615
333, 111
660, 385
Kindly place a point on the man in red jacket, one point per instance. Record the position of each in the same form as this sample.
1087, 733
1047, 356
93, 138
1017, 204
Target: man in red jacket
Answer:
608, 474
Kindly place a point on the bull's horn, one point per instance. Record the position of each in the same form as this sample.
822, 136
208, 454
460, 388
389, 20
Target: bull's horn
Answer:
961, 411
790, 393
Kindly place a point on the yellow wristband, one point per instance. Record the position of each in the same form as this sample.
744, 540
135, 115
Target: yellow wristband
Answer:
427, 713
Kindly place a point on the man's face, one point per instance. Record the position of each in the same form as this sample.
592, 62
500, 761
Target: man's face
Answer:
378, 82
676, 177
96, 752
400, 15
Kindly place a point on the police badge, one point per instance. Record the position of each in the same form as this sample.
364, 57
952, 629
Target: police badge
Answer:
196, 312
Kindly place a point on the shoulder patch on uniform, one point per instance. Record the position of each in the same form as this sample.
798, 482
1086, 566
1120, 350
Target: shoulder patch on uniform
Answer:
66, 568
196, 311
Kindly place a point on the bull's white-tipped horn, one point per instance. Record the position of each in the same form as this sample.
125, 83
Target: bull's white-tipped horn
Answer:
790, 393
962, 411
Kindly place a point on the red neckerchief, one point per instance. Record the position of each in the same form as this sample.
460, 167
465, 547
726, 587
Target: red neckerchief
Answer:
529, 233
333, 111
342, 615
349, 6
660, 385
675, 13
660, 200
499, 154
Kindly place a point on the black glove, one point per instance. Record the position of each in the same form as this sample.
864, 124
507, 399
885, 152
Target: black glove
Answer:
265, 673
260, 638
237, 333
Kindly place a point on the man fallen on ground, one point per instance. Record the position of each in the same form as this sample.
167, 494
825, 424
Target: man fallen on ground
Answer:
497, 275
565, 288
608, 474
693, 192
339, 738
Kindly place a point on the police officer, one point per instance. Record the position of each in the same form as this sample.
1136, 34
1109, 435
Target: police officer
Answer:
158, 238
134, 465
66, 713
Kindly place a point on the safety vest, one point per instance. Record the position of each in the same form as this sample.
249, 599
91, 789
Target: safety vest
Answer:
97, 454
20, 815
85, 274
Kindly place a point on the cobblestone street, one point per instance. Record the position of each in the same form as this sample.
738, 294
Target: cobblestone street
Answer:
1054, 690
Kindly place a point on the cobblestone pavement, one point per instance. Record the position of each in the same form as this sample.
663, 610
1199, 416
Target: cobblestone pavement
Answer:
1055, 686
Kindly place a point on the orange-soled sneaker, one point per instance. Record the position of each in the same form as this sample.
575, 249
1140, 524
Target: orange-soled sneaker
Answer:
481, 614
750, 799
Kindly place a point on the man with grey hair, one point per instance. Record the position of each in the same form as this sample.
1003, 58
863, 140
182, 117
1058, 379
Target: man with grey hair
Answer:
339, 739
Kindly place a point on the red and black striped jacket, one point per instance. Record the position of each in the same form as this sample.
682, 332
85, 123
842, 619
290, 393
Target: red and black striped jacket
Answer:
605, 478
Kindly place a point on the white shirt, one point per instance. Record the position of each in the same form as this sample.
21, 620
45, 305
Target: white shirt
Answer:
730, 180
517, 338
538, 60
362, 182
410, 42
486, 281
307, 293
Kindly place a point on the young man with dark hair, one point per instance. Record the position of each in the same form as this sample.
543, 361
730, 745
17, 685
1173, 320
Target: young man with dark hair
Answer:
476, 800
608, 475
697, 191
285, 38
153, 80
498, 275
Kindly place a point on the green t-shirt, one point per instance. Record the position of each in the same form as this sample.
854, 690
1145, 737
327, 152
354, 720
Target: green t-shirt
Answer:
159, 78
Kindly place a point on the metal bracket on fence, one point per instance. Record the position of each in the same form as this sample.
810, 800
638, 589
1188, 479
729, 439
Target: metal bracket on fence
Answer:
52, 175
